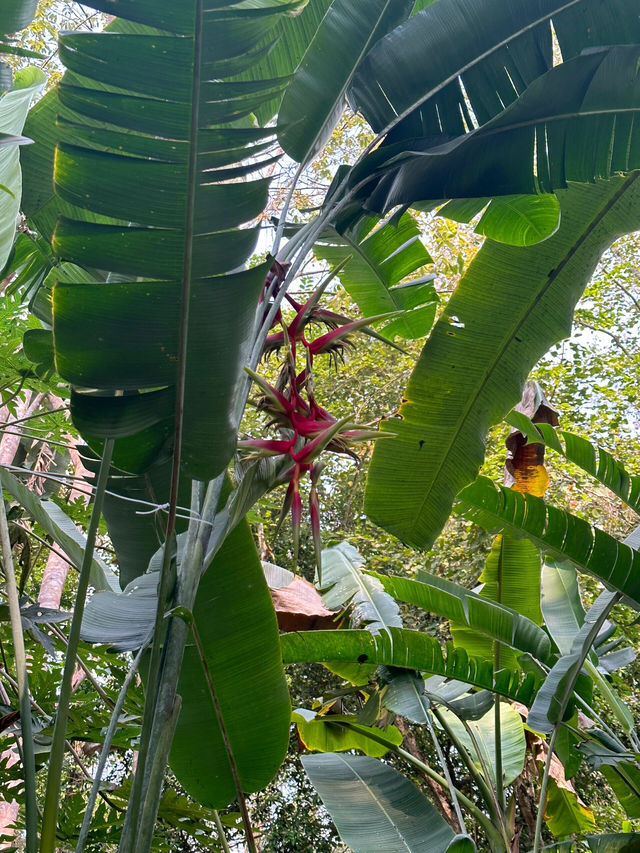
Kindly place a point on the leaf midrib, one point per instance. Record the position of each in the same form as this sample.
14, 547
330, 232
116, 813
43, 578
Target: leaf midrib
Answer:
377, 802
515, 328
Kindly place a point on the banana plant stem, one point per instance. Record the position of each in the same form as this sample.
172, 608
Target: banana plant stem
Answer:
447, 774
138, 833
54, 777
222, 838
27, 752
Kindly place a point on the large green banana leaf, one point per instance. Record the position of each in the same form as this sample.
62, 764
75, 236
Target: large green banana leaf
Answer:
375, 807
510, 307
377, 264
591, 458
577, 122
13, 112
564, 536
483, 618
482, 746
409, 650
420, 80
344, 584
179, 229
511, 576
315, 100
237, 626
16, 15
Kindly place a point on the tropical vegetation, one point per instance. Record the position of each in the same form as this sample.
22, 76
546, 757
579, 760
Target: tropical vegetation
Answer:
180, 430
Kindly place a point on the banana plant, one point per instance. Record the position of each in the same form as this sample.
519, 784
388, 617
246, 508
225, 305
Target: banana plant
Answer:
161, 311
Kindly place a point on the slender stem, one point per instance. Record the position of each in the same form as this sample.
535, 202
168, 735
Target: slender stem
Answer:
285, 209
497, 731
106, 746
242, 802
28, 755
542, 799
445, 770
222, 838
162, 746
54, 777
603, 605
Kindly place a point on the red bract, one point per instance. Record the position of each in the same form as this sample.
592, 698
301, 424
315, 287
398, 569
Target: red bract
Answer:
308, 429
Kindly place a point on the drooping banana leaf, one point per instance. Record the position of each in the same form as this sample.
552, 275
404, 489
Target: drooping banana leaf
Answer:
315, 99
339, 733
537, 144
591, 458
509, 308
519, 220
345, 584
564, 536
239, 635
479, 55
480, 616
565, 814
482, 746
375, 807
13, 112
511, 576
179, 230
374, 277
409, 650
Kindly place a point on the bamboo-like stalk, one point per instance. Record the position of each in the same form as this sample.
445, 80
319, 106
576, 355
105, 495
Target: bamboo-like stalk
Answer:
54, 776
106, 746
607, 601
28, 755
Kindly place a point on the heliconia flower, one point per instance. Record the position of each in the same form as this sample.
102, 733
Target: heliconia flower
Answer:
275, 397
267, 447
339, 337
312, 449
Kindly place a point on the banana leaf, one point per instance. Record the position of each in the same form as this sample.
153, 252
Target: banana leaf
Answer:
481, 617
375, 807
509, 308
537, 144
480, 56
179, 230
315, 98
400, 647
